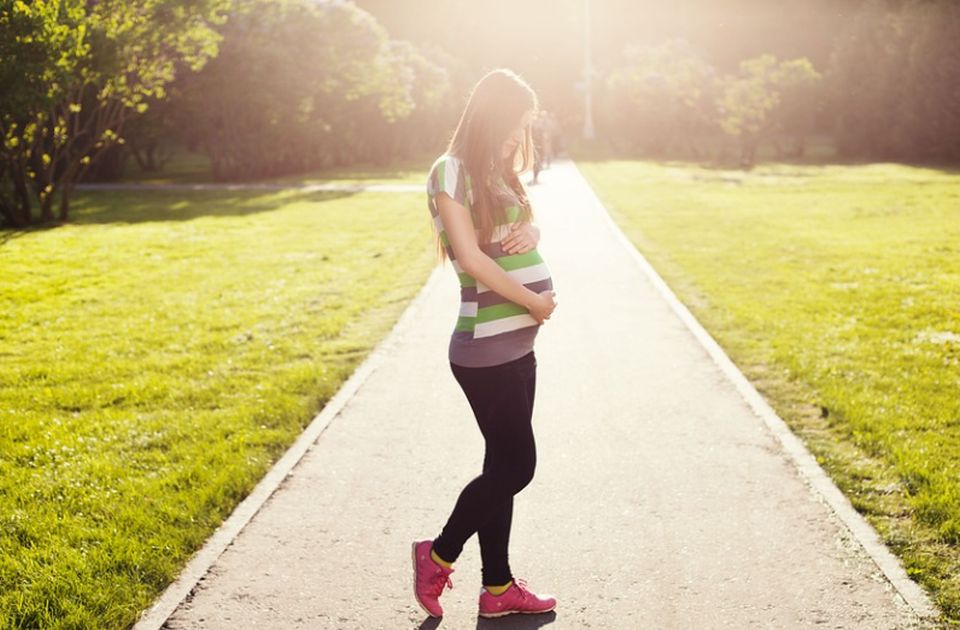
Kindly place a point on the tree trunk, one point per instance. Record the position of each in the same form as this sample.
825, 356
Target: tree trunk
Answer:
43, 186
9, 216
137, 151
22, 191
46, 208
800, 148
13, 214
65, 192
67, 183
748, 150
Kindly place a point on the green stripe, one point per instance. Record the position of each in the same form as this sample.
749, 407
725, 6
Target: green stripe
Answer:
499, 311
507, 263
519, 261
513, 213
466, 323
443, 239
466, 280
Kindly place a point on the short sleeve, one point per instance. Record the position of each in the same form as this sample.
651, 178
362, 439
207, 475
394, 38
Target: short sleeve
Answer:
448, 175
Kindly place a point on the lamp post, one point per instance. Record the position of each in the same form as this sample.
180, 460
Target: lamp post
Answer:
587, 75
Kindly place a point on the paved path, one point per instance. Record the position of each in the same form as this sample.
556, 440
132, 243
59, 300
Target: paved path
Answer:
661, 499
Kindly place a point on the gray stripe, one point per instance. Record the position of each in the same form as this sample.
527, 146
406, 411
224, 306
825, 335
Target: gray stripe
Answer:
493, 250
469, 352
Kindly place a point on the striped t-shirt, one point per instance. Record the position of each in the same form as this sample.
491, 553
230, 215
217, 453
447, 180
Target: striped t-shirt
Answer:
490, 329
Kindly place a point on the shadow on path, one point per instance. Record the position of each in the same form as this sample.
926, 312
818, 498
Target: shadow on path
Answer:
517, 622
510, 622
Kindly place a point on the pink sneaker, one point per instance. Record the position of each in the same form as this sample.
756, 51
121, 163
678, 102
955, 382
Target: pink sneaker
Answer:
429, 578
516, 599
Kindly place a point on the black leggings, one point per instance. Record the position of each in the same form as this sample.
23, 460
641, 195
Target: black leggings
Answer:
501, 397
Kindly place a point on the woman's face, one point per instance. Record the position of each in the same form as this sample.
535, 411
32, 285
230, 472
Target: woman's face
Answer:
516, 136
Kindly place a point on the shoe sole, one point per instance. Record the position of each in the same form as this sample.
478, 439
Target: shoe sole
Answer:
416, 596
515, 612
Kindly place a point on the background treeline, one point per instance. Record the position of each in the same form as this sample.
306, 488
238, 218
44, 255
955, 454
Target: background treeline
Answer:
271, 87
299, 86
890, 90
668, 101
261, 87
71, 73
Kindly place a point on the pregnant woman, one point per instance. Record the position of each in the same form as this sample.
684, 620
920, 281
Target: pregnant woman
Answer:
483, 223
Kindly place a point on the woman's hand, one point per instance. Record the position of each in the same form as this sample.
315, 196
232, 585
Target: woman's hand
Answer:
541, 307
523, 238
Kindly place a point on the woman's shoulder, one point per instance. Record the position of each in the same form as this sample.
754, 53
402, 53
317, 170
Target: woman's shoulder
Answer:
447, 173
446, 160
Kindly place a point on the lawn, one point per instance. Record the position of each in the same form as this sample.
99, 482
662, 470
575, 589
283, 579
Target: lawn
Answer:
158, 354
836, 289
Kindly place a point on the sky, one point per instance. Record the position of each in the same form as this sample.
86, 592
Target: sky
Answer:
543, 40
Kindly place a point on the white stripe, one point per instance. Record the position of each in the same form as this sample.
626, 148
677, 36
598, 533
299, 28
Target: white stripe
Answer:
457, 267
468, 309
450, 178
438, 222
497, 326
500, 232
526, 275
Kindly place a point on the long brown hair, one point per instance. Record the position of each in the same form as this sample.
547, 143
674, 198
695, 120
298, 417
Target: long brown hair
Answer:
496, 106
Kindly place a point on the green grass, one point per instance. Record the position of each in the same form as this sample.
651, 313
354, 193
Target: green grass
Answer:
836, 289
157, 355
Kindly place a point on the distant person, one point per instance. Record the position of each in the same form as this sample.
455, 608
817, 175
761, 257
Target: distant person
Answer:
548, 120
541, 145
555, 133
482, 216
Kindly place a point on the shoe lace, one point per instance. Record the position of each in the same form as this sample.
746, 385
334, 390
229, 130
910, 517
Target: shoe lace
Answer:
440, 580
522, 587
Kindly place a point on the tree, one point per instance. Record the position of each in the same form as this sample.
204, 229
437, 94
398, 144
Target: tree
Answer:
149, 136
767, 97
746, 102
41, 48
427, 112
895, 81
798, 83
928, 125
78, 69
298, 85
660, 97
867, 72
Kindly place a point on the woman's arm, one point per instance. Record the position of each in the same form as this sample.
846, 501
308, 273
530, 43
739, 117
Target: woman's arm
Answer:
458, 226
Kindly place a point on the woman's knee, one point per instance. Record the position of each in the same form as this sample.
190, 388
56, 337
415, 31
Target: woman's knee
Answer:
523, 475
511, 476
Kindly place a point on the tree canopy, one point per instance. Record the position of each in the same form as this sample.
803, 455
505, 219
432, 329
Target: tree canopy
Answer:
78, 68
266, 87
302, 84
